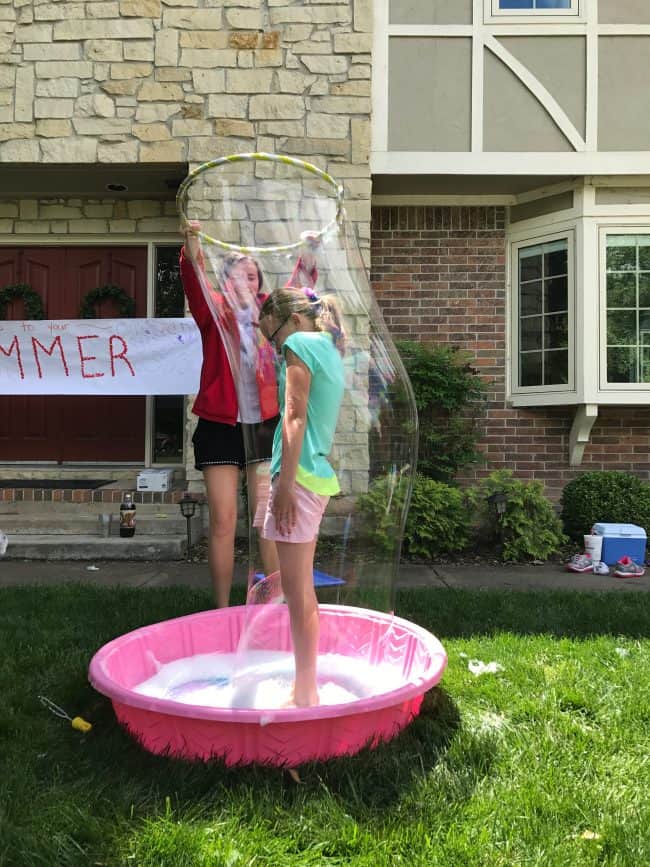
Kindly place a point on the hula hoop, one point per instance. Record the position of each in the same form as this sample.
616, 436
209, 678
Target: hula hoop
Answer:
181, 198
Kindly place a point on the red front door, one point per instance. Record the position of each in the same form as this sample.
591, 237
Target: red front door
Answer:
73, 428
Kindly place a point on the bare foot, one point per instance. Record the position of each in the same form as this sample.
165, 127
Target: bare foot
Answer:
309, 699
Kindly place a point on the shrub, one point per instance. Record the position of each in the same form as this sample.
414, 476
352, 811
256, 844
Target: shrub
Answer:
450, 397
609, 496
529, 529
438, 519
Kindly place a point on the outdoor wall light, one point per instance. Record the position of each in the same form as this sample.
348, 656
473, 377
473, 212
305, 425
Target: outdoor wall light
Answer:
498, 503
188, 507
117, 188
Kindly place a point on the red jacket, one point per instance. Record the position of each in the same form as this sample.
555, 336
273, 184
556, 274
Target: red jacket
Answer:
217, 397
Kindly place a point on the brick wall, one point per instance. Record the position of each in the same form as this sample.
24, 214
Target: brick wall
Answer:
439, 274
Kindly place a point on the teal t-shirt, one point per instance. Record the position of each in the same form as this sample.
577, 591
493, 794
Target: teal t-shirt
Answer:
317, 351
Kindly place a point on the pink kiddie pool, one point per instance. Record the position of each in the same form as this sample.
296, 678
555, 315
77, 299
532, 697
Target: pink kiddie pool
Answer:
396, 663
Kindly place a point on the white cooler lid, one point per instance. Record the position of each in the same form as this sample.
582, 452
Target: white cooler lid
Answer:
626, 531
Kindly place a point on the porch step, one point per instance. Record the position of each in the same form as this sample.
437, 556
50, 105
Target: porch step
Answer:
81, 547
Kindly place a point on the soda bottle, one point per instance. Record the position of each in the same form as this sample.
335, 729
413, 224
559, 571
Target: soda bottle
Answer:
127, 516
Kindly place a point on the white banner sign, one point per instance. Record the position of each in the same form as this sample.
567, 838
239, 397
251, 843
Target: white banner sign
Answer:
100, 356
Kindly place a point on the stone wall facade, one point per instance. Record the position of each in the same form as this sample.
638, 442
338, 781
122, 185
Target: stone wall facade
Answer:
439, 275
126, 82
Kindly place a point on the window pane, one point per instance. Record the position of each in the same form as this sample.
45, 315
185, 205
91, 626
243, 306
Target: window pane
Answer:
644, 327
530, 370
556, 262
621, 327
530, 264
644, 252
169, 291
621, 364
531, 298
531, 333
515, 4
556, 332
553, 4
534, 4
557, 294
168, 413
644, 290
645, 365
621, 290
556, 367
621, 253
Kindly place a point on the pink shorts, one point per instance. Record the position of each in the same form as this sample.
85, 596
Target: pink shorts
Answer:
310, 508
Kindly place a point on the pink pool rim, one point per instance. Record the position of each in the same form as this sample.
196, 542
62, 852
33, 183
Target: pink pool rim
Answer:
285, 737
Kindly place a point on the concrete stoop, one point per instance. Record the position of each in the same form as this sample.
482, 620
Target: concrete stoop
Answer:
90, 531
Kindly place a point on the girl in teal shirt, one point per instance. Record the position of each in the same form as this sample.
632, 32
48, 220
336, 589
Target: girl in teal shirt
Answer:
307, 332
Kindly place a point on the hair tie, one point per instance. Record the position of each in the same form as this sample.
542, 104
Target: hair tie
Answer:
313, 298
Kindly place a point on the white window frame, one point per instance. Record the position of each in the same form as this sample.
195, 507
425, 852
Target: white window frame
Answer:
494, 15
529, 241
604, 231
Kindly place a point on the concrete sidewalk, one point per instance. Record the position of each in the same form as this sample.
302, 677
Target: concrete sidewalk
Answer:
548, 576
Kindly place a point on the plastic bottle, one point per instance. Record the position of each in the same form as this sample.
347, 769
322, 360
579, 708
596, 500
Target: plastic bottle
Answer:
127, 516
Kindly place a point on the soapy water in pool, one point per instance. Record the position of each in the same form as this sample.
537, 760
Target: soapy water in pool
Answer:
263, 680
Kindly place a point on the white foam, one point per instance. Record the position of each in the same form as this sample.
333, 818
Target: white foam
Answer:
263, 679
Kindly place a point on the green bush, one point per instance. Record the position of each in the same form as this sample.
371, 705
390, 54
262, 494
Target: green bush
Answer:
438, 520
609, 496
529, 529
450, 397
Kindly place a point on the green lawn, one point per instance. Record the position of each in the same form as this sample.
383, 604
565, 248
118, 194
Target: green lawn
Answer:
544, 763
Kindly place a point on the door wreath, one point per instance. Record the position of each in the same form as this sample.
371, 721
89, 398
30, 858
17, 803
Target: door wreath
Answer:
31, 300
125, 304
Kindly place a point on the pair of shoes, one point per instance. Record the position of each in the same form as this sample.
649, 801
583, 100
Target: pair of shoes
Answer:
601, 568
580, 563
627, 568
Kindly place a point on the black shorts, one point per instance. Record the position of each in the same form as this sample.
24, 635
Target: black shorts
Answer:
236, 445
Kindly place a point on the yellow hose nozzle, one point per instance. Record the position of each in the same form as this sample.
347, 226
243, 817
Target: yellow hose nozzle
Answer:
80, 724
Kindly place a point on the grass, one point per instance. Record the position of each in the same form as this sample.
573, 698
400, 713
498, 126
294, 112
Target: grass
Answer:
544, 763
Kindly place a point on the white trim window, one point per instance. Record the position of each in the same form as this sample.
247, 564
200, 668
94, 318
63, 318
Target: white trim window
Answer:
532, 10
626, 308
543, 314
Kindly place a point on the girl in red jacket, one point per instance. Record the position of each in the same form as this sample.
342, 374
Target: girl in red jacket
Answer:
223, 424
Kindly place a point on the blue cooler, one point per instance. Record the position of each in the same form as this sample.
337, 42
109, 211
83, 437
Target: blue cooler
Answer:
619, 540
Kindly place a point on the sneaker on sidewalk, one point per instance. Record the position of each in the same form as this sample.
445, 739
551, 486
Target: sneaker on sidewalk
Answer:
627, 568
601, 568
580, 563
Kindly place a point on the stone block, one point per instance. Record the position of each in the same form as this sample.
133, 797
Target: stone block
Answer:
94, 105
350, 88
158, 226
360, 131
270, 40
98, 211
193, 19
101, 126
172, 73
8, 209
155, 111
310, 15
269, 57
166, 49
188, 128
352, 43
61, 87
294, 82
24, 95
192, 111
282, 127
58, 11
66, 150
126, 87
342, 104
325, 64
29, 227
204, 39
209, 80
103, 10
208, 58
117, 152
64, 69
53, 51
28, 210
243, 39
120, 71
296, 32
276, 107
360, 71
140, 8
241, 128
33, 33
121, 227
10, 131
59, 212
223, 105
151, 131
88, 227
53, 128
44, 107
312, 146
327, 125
151, 91
139, 208
248, 81
103, 50
244, 19
163, 152
73, 31
139, 51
